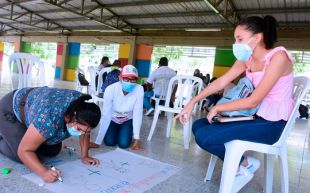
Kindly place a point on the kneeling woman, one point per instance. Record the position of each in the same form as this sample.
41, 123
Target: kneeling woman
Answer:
122, 111
34, 122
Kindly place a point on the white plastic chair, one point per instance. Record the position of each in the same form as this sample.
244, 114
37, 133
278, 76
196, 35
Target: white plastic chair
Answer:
186, 88
236, 148
24, 63
80, 87
163, 84
95, 95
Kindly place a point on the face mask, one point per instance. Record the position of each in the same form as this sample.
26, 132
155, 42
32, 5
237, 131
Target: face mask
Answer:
73, 132
128, 86
242, 51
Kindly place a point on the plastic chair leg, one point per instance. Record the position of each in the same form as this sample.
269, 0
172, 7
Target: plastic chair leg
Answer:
155, 118
268, 165
211, 167
186, 134
230, 166
284, 170
169, 124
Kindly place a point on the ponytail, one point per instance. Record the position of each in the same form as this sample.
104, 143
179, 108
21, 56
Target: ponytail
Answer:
270, 31
267, 25
84, 112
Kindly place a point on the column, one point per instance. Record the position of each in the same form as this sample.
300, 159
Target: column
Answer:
1, 54
72, 61
224, 59
143, 59
123, 53
60, 60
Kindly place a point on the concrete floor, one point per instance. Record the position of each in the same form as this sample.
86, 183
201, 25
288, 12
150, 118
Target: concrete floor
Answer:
194, 162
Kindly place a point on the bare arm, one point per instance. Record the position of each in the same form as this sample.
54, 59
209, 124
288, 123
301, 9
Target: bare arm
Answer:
219, 84
26, 152
279, 65
84, 143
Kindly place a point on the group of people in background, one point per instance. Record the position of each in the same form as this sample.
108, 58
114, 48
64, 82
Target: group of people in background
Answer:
31, 126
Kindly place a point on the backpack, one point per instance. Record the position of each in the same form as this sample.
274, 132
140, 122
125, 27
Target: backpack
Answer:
243, 89
303, 111
82, 79
111, 78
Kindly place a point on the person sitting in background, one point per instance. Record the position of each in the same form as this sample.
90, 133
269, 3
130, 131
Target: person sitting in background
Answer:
105, 62
111, 77
162, 73
35, 121
122, 112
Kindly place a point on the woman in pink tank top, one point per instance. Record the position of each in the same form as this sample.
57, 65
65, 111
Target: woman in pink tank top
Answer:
270, 69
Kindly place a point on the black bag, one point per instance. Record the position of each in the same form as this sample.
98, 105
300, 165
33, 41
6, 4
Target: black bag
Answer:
82, 79
303, 111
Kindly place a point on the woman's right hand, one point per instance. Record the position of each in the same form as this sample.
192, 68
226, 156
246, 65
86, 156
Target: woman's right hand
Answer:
51, 175
186, 112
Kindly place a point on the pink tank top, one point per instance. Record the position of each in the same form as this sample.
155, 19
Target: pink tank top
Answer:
278, 104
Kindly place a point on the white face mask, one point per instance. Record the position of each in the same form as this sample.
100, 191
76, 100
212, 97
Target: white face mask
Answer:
242, 51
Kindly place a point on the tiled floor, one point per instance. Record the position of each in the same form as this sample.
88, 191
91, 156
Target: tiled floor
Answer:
193, 162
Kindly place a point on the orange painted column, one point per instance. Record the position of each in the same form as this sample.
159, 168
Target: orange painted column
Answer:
1, 54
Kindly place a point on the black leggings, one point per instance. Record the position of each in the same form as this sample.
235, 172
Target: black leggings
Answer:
12, 132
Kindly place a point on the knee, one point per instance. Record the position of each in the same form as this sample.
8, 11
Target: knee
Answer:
109, 142
124, 143
199, 124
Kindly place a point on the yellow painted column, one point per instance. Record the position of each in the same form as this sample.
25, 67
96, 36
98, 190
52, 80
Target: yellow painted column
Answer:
1, 54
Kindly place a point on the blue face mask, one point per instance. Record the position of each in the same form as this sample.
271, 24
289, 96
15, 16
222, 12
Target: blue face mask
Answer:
242, 51
73, 132
128, 86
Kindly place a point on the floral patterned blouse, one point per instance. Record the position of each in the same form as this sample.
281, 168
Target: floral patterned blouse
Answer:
45, 108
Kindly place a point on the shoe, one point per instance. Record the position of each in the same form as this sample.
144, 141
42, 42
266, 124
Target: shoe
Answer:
253, 164
150, 111
242, 177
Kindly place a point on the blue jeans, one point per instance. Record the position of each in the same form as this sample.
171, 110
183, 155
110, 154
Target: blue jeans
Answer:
146, 100
211, 137
119, 134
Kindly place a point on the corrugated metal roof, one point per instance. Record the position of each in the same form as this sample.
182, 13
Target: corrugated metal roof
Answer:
126, 15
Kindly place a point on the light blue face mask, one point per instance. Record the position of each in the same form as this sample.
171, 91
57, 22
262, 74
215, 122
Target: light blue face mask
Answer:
73, 132
242, 51
128, 86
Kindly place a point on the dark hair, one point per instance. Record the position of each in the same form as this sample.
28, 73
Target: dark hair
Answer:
163, 61
117, 63
104, 59
83, 112
266, 25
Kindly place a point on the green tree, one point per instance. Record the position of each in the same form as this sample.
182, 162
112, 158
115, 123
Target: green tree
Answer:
300, 66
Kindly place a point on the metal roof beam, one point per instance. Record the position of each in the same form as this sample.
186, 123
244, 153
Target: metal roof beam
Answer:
15, 28
222, 14
119, 25
147, 2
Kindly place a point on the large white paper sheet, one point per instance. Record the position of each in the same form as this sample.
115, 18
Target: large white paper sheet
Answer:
119, 171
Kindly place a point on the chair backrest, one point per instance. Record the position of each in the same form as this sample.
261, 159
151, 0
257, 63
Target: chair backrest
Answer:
99, 80
162, 84
301, 86
93, 72
24, 63
188, 86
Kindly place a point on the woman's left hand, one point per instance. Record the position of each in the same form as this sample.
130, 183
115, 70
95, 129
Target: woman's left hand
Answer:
90, 161
213, 112
136, 145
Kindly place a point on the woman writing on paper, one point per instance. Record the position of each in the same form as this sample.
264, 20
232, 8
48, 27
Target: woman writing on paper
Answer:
34, 122
270, 69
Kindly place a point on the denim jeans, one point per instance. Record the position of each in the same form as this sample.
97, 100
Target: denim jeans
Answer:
211, 137
119, 134
146, 100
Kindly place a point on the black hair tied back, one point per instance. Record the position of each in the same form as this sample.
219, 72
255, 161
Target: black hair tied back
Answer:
270, 31
87, 113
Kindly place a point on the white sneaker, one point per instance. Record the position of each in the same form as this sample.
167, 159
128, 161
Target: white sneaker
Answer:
150, 111
242, 177
253, 164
